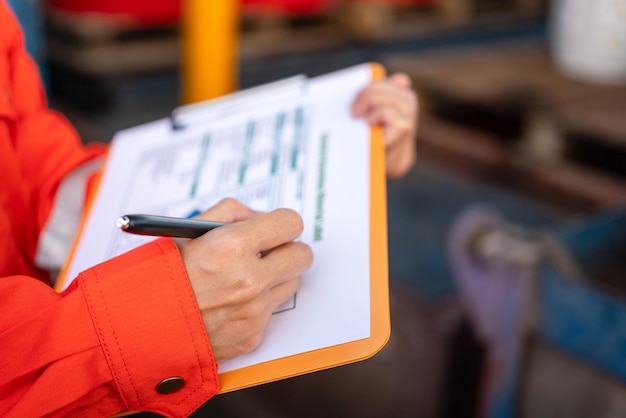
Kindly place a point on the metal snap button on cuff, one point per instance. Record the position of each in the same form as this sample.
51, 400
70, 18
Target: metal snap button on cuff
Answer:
170, 385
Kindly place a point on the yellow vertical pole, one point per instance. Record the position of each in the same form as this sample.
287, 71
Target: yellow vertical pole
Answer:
210, 30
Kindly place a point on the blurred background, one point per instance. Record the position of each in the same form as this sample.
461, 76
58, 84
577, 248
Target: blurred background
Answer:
507, 241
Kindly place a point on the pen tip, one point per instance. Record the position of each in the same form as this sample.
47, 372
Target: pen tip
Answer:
123, 222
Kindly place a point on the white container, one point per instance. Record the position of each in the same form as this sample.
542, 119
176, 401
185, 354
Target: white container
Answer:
588, 39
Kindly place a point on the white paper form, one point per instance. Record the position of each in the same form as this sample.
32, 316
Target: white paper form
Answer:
303, 151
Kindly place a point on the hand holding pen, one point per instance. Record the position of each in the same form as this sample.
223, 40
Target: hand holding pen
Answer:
240, 272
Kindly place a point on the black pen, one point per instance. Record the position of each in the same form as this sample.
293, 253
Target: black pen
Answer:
165, 226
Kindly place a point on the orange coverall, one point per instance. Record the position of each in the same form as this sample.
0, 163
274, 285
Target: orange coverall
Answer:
102, 346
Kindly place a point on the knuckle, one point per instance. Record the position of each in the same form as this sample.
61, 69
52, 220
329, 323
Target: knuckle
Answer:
395, 173
251, 342
247, 290
236, 245
404, 128
401, 167
255, 332
227, 241
228, 203
250, 312
306, 254
294, 285
292, 218
413, 102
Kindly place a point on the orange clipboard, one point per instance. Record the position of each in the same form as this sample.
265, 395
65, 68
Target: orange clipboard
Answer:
380, 324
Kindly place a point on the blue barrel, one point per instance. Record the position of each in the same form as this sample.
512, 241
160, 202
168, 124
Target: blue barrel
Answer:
583, 318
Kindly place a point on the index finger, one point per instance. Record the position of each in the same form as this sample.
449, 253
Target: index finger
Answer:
270, 230
227, 210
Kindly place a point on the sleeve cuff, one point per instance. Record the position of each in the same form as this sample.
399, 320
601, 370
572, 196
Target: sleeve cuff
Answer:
151, 330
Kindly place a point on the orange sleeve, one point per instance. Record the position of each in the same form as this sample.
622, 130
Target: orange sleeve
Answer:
102, 346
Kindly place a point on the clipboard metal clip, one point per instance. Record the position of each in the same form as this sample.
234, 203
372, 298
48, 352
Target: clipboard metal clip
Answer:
235, 103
